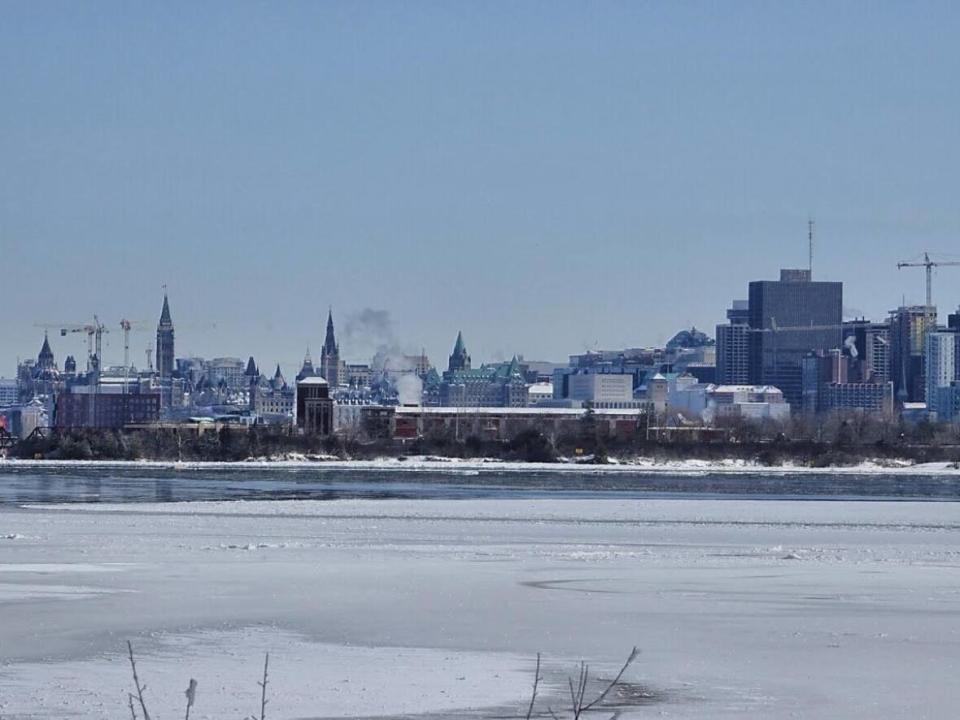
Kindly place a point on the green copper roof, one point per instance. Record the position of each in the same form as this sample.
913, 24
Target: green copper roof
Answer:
459, 347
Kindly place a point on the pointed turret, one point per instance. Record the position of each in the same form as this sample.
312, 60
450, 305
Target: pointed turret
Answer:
45, 358
330, 355
251, 371
330, 342
459, 360
307, 370
278, 382
165, 312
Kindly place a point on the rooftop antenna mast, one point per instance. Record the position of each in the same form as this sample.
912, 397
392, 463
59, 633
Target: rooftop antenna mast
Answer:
810, 245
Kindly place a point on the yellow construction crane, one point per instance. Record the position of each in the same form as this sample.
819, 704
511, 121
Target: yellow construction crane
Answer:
929, 265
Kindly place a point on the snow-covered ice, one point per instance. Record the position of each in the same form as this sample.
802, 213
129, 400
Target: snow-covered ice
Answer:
445, 465
772, 609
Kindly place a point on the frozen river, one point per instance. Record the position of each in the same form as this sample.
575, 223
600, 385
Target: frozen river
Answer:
387, 600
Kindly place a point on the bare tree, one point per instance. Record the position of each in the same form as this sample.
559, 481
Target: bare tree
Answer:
136, 682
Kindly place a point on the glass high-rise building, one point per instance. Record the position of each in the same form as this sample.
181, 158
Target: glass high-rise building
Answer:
909, 326
939, 363
789, 318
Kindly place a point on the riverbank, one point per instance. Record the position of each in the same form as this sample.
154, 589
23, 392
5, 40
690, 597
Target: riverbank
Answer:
430, 463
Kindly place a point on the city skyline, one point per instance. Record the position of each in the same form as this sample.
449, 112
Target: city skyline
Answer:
574, 181
368, 332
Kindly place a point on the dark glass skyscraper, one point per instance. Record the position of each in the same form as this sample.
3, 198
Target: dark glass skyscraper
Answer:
789, 318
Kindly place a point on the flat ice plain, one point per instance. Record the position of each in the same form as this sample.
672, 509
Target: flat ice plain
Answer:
436, 608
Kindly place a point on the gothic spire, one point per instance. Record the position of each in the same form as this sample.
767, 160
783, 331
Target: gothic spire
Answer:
165, 313
459, 347
45, 358
459, 360
330, 343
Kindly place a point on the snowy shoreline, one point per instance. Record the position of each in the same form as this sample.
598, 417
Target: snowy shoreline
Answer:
645, 466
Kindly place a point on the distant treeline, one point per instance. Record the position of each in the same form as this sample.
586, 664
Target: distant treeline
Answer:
834, 442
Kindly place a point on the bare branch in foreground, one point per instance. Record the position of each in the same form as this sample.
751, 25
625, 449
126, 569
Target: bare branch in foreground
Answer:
633, 656
536, 683
578, 690
136, 682
263, 689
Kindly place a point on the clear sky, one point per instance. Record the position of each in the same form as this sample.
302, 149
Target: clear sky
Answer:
547, 177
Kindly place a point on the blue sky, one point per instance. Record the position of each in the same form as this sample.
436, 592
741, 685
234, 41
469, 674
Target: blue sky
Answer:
547, 177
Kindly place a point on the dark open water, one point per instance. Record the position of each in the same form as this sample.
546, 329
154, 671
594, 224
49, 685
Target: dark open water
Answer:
31, 484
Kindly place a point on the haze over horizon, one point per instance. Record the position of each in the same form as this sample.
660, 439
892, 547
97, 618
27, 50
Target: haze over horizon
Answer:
545, 177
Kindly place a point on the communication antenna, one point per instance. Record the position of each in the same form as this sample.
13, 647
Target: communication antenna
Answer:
810, 243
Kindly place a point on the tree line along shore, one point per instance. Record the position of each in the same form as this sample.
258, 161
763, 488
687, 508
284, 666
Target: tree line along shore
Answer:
837, 442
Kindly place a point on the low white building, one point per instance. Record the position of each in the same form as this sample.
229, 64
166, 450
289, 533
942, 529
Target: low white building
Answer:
713, 402
687, 396
539, 392
750, 402
604, 390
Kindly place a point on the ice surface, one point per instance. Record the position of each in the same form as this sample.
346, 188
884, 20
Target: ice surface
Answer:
306, 679
473, 466
768, 609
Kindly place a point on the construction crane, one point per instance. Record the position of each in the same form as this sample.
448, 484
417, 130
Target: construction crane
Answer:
127, 326
94, 333
929, 265
94, 359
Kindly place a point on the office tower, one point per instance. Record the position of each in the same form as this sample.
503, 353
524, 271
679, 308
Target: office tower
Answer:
733, 366
908, 327
788, 319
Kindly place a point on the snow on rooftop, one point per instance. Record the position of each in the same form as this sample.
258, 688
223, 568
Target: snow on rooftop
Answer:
313, 380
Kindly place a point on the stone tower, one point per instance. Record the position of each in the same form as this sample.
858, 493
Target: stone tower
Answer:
330, 356
165, 342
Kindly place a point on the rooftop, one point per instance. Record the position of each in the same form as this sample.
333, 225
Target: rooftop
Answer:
313, 380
